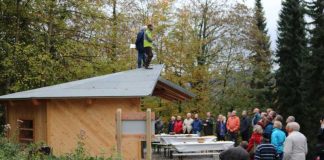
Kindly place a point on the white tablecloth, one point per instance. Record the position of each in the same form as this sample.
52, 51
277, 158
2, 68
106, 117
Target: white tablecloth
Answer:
159, 137
207, 146
171, 140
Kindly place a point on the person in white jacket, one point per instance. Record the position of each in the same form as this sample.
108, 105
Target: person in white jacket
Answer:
295, 146
187, 124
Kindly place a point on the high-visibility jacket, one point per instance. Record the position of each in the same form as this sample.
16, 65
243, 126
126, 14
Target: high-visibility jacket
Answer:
148, 42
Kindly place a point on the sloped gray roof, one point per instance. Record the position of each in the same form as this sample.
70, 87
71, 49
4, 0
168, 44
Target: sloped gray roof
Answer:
132, 83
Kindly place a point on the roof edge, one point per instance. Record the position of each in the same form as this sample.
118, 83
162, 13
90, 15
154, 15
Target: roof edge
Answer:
177, 87
156, 81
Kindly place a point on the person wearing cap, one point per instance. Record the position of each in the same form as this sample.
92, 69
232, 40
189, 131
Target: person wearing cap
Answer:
148, 45
265, 150
295, 146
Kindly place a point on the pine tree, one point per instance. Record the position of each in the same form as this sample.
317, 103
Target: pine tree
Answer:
315, 69
291, 52
260, 19
261, 56
317, 54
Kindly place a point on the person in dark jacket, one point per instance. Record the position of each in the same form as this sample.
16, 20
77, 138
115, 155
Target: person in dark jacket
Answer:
245, 126
257, 116
171, 125
320, 143
268, 127
196, 125
236, 153
221, 128
158, 125
140, 47
209, 125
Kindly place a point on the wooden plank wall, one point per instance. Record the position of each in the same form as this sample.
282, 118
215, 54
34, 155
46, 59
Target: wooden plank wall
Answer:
29, 111
93, 118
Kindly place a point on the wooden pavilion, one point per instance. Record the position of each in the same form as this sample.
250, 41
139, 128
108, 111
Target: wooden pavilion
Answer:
57, 114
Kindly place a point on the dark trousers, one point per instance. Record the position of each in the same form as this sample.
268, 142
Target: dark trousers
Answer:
148, 56
245, 136
233, 137
221, 138
140, 58
279, 156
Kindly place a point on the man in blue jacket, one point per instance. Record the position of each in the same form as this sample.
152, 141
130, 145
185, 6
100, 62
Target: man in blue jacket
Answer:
278, 138
257, 117
196, 125
171, 124
140, 47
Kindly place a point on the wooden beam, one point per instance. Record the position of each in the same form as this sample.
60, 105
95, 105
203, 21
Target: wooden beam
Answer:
119, 131
136, 136
168, 95
168, 88
163, 96
172, 90
148, 135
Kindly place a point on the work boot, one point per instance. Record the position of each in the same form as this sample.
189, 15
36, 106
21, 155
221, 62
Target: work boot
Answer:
146, 67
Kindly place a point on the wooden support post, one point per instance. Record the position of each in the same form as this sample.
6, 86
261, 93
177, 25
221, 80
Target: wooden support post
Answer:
119, 131
148, 135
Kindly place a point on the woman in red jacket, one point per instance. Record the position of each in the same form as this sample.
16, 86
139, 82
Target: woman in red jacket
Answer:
255, 140
178, 125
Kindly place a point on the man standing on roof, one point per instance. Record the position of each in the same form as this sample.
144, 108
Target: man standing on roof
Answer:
148, 45
140, 47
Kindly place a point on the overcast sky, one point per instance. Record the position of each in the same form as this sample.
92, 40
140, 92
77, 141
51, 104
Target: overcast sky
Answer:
272, 9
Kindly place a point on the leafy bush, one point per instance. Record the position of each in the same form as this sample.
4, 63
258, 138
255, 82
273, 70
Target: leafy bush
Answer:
10, 150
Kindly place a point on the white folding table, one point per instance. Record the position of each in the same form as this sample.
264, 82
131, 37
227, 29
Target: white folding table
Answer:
208, 146
171, 140
159, 137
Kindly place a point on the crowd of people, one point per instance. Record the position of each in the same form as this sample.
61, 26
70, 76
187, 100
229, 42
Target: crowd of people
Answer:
269, 139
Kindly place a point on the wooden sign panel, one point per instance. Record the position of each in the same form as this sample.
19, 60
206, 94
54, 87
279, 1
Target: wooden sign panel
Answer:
134, 123
138, 127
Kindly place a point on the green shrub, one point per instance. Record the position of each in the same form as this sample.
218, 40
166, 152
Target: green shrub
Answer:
10, 150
